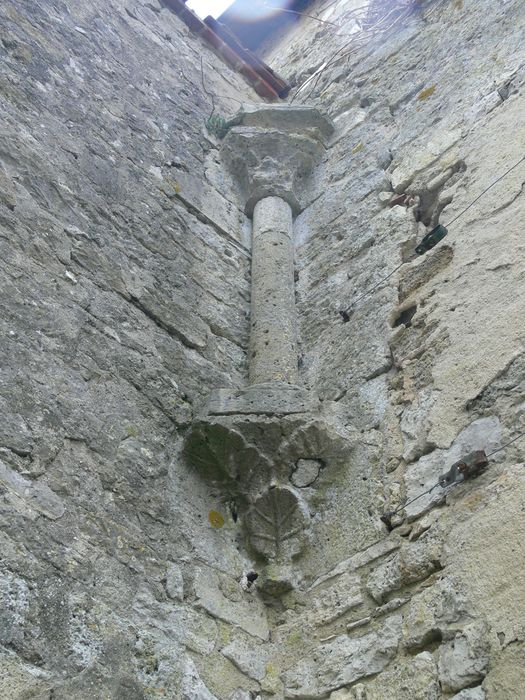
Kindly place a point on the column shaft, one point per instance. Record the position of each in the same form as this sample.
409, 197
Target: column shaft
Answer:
273, 338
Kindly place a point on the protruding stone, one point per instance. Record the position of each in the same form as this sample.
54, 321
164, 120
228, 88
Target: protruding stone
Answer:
192, 686
471, 694
414, 562
305, 472
464, 660
274, 150
344, 661
270, 398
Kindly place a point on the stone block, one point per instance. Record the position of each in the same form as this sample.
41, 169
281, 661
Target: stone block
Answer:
248, 613
465, 659
343, 661
262, 399
296, 118
34, 494
432, 612
250, 658
415, 679
414, 562
193, 687
470, 694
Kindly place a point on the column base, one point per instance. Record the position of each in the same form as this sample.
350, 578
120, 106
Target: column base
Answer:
268, 399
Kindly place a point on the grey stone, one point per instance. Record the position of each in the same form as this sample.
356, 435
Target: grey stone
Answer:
484, 433
273, 152
464, 660
273, 334
343, 661
305, 472
35, 495
249, 658
414, 562
470, 694
433, 611
192, 686
248, 613
299, 118
125, 287
275, 398
277, 524
175, 582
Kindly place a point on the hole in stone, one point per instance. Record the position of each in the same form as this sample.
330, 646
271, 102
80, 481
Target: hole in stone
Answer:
405, 317
233, 511
430, 641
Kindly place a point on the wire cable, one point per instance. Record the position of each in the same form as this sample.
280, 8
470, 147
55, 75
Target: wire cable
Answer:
345, 312
506, 445
485, 191
391, 513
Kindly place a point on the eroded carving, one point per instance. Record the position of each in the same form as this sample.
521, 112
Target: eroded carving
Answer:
277, 524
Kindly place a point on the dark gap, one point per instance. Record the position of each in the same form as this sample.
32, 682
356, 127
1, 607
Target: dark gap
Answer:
405, 317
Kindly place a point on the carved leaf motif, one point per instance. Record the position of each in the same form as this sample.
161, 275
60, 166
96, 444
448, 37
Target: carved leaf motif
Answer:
225, 455
277, 523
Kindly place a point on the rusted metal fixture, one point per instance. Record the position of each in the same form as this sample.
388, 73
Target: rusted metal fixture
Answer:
468, 467
263, 79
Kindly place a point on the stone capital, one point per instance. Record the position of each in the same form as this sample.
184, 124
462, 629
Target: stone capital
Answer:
274, 149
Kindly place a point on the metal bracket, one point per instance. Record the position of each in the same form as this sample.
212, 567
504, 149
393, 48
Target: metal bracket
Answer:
467, 467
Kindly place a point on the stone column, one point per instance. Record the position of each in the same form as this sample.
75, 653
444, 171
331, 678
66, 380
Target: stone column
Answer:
272, 152
265, 441
273, 335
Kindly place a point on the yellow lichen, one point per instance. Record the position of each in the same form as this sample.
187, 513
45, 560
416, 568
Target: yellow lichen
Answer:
216, 519
427, 92
357, 148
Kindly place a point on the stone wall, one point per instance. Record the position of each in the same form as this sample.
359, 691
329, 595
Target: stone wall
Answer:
126, 300
125, 296
429, 366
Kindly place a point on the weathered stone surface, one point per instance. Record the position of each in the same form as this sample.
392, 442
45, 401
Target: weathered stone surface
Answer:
125, 293
484, 557
413, 562
433, 612
464, 660
273, 320
300, 118
273, 151
249, 658
484, 434
274, 398
415, 679
470, 694
246, 612
192, 686
305, 472
35, 496
175, 582
419, 159
506, 672
344, 661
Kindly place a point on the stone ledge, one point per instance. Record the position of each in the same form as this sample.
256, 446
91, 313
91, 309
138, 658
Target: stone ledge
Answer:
263, 399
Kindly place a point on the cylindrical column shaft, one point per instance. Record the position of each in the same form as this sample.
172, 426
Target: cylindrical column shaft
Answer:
273, 338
